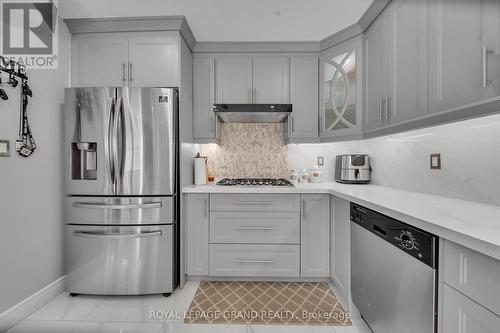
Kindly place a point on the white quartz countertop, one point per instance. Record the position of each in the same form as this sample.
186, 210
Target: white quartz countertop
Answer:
468, 223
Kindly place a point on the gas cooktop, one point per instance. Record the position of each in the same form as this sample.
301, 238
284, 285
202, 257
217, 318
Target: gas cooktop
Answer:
255, 181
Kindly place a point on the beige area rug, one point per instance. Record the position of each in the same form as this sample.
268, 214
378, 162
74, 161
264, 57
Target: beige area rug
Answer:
279, 303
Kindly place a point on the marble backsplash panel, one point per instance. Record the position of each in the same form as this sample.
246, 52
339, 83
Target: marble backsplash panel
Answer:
248, 150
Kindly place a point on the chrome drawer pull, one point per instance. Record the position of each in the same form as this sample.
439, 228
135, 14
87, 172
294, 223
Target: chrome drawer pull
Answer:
104, 235
243, 228
250, 203
254, 261
97, 205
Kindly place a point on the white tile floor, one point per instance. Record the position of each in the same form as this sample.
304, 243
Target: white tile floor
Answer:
123, 314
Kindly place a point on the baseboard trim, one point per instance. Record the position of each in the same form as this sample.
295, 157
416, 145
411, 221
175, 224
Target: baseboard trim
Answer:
26, 307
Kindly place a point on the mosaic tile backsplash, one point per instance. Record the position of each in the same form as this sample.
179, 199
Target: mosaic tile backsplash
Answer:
248, 150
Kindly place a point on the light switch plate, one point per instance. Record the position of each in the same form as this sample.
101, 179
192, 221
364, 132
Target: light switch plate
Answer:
436, 161
321, 161
4, 148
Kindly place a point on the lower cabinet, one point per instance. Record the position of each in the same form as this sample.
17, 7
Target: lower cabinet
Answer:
196, 245
256, 260
256, 235
340, 240
315, 235
463, 315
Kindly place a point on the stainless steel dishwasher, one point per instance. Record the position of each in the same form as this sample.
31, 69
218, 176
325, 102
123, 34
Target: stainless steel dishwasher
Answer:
393, 272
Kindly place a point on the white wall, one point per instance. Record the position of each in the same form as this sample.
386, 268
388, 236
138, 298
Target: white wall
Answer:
470, 157
31, 243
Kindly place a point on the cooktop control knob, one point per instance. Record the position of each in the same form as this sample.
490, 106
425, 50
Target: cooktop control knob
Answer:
408, 241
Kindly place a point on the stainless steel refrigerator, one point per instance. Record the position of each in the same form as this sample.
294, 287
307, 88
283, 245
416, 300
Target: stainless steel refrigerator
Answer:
121, 207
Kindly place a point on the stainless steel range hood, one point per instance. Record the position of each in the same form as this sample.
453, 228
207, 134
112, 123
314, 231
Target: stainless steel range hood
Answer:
252, 113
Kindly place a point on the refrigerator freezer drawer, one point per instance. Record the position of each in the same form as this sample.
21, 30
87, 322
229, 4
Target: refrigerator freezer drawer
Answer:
119, 210
126, 260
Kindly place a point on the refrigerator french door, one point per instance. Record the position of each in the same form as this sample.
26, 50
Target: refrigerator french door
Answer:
121, 186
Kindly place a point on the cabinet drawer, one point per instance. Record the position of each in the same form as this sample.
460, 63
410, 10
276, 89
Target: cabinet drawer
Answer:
473, 274
258, 227
255, 202
254, 260
463, 315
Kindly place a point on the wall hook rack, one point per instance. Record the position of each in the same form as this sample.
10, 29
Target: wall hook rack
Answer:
13, 68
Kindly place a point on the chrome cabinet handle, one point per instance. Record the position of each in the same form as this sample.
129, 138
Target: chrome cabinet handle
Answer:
243, 228
206, 208
293, 126
389, 108
124, 68
485, 65
380, 109
253, 203
130, 72
96, 205
303, 209
254, 261
103, 235
384, 109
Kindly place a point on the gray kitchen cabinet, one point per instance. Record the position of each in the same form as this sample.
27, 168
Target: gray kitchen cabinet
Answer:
340, 248
396, 65
464, 51
406, 96
375, 79
125, 59
197, 237
205, 123
472, 274
302, 125
315, 235
463, 315
234, 79
154, 61
341, 90
270, 80
99, 61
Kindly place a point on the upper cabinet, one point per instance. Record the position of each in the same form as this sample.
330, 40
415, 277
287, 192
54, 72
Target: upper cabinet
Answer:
396, 65
464, 53
234, 80
257, 79
302, 125
154, 61
270, 80
340, 90
99, 61
138, 60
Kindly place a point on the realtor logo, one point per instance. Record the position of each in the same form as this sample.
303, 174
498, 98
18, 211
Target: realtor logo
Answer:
29, 32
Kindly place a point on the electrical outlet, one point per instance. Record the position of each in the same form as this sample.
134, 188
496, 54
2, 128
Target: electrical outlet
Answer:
4, 148
435, 161
321, 161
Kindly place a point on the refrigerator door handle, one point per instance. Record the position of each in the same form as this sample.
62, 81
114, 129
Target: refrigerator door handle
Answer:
96, 205
118, 144
101, 235
110, 146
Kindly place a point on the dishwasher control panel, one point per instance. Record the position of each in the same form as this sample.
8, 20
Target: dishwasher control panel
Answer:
418, 243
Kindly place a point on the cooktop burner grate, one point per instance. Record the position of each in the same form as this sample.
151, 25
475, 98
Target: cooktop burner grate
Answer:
255, 182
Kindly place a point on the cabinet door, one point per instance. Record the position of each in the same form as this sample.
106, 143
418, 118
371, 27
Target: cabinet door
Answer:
462, 315
315, 235
303, 122
196, 234
99, 61
375, 74
407, 60
204, 98
233, 80
154, 61
340, 268
341, 98
270, 80
464, 50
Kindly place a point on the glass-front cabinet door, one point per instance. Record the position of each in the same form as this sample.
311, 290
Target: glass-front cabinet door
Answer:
340, 90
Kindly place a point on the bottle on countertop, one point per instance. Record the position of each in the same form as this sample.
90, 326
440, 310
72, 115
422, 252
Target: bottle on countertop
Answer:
315, 174
304, 176
294, 176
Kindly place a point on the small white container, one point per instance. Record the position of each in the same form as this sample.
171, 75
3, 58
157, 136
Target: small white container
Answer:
304, 176
294, 176
315, 175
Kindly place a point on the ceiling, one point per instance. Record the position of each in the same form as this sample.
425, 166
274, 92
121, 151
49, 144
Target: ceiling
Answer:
235, 20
